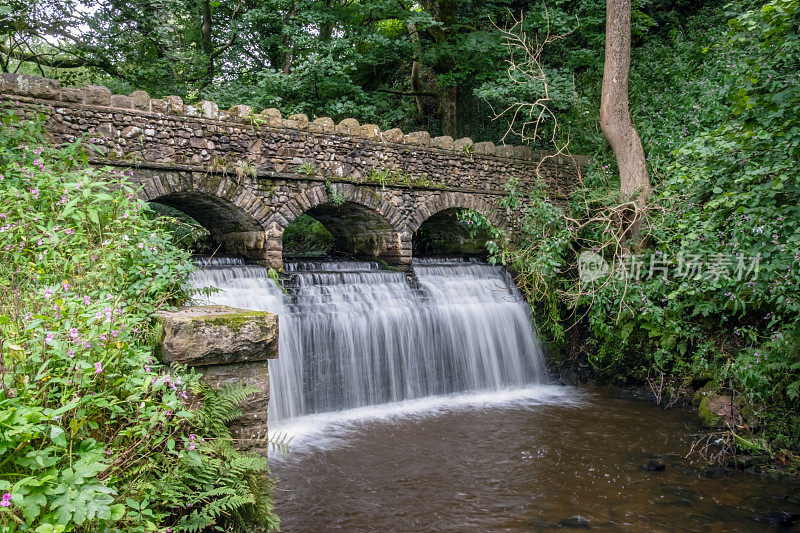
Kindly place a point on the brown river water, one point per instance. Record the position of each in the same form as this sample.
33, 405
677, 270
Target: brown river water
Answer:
540, 459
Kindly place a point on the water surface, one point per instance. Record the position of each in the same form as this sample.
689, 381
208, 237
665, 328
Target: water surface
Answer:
552, 458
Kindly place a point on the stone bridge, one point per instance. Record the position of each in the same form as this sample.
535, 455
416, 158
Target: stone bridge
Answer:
245, 177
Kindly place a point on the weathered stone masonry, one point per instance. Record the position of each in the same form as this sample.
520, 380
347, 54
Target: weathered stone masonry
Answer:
247, 176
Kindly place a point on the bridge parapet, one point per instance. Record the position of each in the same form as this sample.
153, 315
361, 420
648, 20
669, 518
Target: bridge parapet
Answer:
246, 176
138, 130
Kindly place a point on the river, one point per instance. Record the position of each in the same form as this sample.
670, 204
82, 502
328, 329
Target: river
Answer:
420, 403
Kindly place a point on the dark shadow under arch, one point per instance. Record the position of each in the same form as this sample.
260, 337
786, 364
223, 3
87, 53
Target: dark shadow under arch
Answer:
218, 215
444, 233
357, 231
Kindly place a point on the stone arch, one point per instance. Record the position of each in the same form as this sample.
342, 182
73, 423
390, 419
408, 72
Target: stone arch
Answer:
432, 205
435, 229
233, 215
361, 220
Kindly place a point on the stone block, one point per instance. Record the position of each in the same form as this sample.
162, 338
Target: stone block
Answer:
242, 113
248, 429
207, 109
33, 86
418, 138
462, 144
273, 117
174, 105
445, 142
131, 132
141, 100
485, 148
158, 106
370, 131
72, 95
522, 152
217, 335
394, 135
322, 125
97, 95
300, 121
504, 150
348, 126
121, 101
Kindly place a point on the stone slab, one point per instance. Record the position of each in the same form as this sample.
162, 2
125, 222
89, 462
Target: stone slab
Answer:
218, 335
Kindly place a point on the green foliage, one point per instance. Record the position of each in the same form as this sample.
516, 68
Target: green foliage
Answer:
306, 169
95, 434
724, 152
478, 224
337, 197
307, 237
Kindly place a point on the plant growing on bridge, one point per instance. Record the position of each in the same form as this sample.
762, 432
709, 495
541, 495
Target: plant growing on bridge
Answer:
94, 433
244, 169
307, 169
337, 197
478, 223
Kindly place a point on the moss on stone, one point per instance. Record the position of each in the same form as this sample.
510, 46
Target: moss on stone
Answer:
707, 389
708, 418
233, 321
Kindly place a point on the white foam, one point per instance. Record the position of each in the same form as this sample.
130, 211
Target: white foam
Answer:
325, 431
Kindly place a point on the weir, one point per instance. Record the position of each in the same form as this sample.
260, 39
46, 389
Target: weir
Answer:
353, 334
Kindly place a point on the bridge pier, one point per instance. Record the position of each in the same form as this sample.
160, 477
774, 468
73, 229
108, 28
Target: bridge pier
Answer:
254, 245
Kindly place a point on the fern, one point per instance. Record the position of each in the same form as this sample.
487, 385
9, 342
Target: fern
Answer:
212, 484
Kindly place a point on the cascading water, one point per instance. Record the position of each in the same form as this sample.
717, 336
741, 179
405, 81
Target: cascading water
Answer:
353, 335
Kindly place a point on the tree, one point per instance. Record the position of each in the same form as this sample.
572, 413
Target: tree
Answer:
615, 115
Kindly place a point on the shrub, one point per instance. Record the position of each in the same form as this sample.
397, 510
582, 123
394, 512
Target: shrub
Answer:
95, 434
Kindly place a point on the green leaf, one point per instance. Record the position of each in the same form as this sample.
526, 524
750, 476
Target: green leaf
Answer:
57, 436
117, 512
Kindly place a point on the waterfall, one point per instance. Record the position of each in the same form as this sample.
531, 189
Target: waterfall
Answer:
353, 334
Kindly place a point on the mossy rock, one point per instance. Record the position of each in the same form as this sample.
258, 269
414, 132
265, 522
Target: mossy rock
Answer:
709, 388
215, 335
707, 417
718, 411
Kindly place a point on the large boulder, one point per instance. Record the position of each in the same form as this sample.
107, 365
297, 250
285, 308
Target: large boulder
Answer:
218, 335
718, 411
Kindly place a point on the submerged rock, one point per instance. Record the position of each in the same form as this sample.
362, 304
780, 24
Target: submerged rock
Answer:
577, 521
781, 518
716, 472
655, 465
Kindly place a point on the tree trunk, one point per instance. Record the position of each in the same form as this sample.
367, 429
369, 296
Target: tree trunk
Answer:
208, 45
615, 116
444, 12
416, 85
286, 41
448, 108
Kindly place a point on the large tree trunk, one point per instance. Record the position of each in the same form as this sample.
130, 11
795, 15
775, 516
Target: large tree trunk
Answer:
208, 45
416, 84
615, 115
448, 108
286, 41
445, 12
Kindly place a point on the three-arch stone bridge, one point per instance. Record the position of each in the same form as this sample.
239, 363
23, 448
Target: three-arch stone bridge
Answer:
245, 177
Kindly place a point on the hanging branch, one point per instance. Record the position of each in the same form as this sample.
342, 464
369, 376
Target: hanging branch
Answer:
525, 66
612, 220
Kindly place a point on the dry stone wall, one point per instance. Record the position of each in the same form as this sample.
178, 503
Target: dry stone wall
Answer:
246, 176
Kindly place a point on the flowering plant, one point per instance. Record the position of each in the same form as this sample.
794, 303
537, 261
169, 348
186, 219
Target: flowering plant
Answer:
94, 433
